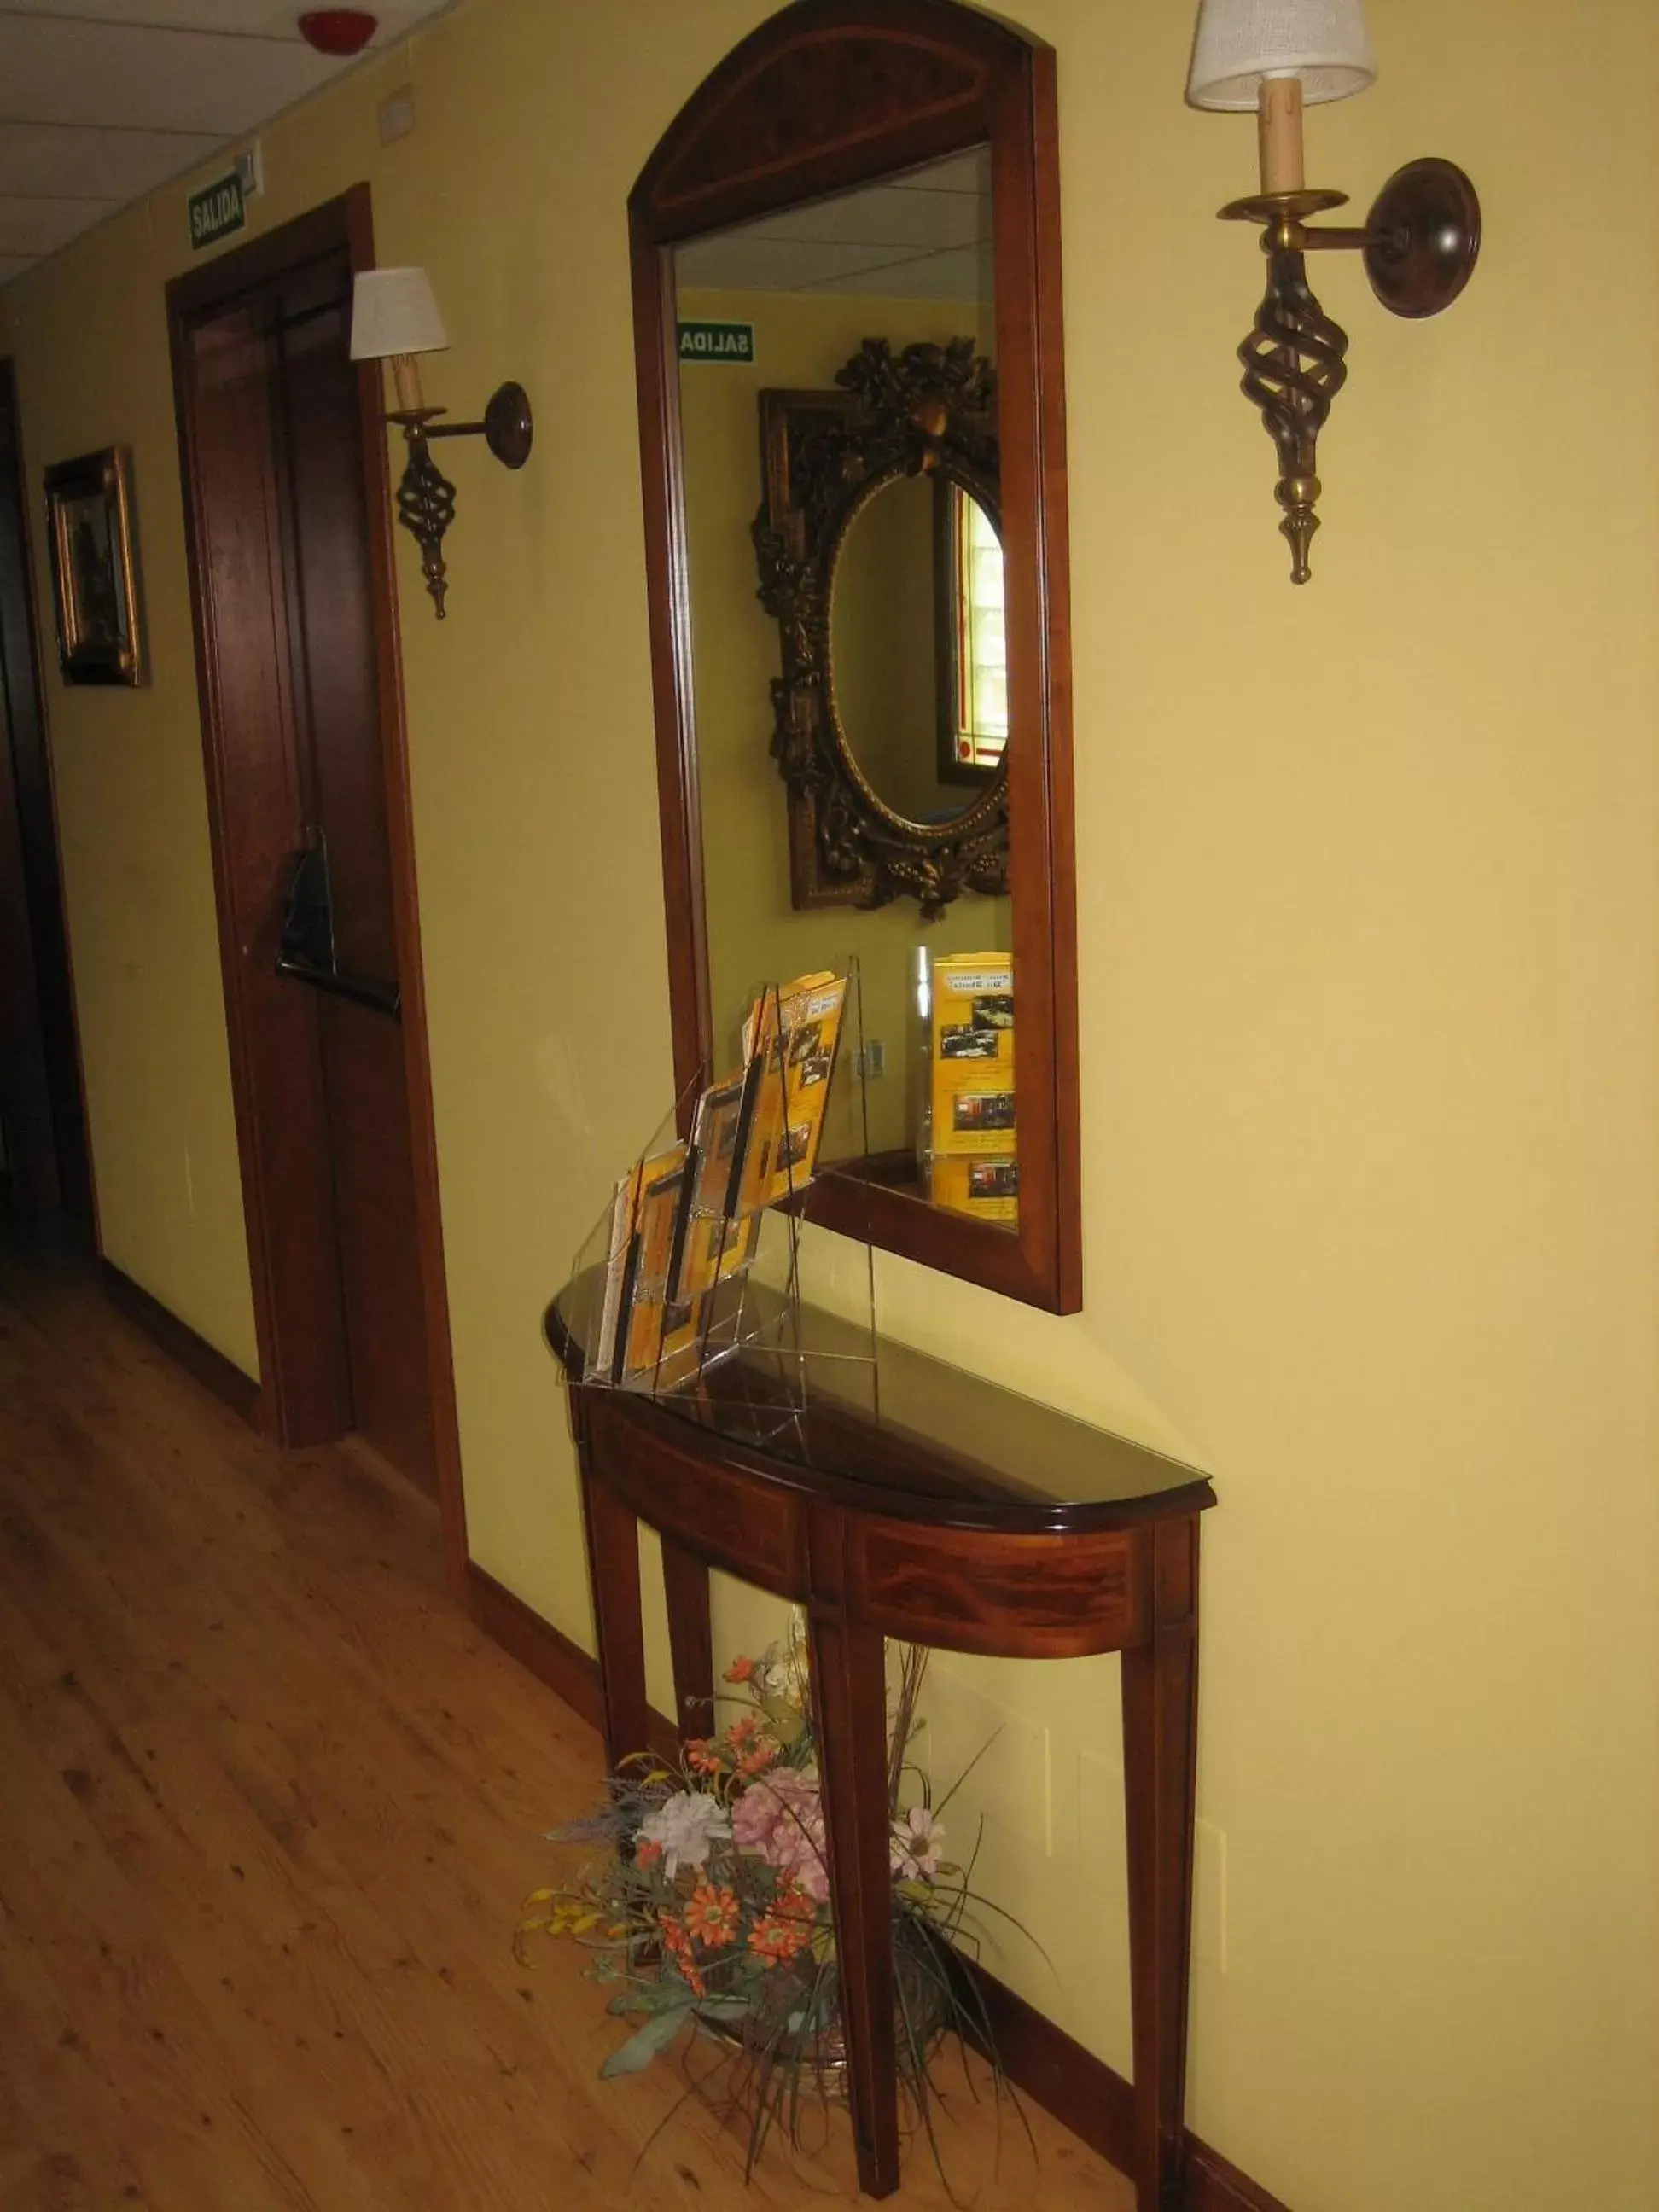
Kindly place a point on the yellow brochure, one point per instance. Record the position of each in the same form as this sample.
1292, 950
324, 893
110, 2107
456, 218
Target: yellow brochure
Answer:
973, 1095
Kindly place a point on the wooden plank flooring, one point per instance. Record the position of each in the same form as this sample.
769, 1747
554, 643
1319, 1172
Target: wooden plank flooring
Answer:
268, 1803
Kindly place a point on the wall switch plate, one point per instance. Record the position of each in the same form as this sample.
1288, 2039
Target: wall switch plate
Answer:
396, 114
871, 1061
1210, 1896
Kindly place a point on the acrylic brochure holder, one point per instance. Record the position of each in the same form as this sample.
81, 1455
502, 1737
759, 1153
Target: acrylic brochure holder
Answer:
693, 1281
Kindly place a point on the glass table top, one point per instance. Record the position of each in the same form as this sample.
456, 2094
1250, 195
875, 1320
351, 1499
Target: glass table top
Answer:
816, 1395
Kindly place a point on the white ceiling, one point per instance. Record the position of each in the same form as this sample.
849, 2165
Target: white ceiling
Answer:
925, 235
102, 101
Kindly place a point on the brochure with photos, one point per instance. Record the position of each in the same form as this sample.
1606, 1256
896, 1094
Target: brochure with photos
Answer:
973, 1098
794, 1035
602, 1357
641, 1326
974, 1109
686, 1220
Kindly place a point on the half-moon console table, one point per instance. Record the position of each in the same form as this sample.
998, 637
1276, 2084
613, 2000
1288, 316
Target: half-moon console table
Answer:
901, 1497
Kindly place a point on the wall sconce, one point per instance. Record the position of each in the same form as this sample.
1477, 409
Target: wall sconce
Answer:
395, 318
1418, 243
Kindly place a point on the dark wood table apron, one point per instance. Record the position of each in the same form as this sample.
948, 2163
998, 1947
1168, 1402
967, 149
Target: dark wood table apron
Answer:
895, 1534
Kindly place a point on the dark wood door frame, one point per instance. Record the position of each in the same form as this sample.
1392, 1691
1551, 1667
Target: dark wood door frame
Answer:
273, 1051
41, 1101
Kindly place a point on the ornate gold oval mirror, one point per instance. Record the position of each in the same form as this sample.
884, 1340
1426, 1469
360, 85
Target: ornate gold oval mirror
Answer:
846, 306
880, 555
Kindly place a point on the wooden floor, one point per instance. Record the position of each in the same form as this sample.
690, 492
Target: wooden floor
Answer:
268, 1803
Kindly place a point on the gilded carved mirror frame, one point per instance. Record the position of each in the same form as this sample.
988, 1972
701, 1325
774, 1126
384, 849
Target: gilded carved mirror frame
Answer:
927, 412
822, 98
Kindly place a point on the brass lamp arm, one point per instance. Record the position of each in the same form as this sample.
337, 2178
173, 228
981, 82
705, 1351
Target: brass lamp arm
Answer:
1335, 239
458, 429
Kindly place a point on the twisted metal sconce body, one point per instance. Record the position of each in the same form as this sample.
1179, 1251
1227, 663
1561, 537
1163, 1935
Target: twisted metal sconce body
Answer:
426, 504
426, 497
1293, 368
1419, 244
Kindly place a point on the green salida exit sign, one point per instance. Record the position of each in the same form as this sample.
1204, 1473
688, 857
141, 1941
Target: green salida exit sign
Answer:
215, 211
733, 343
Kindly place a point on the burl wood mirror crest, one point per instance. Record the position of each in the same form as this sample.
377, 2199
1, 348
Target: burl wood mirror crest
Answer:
846, 256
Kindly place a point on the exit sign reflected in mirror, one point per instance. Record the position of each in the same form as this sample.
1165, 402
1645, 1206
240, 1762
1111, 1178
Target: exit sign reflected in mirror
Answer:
731, 343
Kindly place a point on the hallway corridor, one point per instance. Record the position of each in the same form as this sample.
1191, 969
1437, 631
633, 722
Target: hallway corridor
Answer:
271, 1800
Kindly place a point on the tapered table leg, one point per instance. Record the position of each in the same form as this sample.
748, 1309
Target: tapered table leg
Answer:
1160, 1745
613, 1566
850, 1692
690, 1639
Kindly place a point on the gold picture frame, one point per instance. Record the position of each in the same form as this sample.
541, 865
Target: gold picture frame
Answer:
93, 575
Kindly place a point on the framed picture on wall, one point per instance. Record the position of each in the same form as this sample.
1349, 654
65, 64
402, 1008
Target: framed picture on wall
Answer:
94, 581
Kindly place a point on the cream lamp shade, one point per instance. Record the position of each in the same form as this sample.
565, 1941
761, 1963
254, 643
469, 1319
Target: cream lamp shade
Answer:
393, 312
1322, 43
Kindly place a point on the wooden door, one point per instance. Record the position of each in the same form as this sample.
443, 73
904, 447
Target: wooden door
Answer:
341, 780
283, 461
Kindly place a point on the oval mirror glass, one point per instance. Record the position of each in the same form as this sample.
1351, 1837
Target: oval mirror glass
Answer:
917, 658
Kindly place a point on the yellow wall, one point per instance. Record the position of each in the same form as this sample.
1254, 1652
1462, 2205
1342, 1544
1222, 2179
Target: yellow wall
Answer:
1367, 931
90, 338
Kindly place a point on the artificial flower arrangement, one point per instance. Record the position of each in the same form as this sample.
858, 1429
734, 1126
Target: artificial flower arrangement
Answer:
713, 1908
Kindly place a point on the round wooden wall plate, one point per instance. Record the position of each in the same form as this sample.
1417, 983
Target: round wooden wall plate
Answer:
1430, 218
508, 429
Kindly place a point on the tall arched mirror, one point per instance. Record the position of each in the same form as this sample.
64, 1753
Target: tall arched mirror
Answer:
846, 295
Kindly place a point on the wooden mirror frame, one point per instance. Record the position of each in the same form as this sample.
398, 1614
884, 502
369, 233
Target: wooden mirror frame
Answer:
929, 412
822, 98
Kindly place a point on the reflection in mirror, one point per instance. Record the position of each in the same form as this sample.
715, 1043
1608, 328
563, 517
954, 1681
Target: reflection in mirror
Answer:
973, 640
917, 656
861, 517
912, 626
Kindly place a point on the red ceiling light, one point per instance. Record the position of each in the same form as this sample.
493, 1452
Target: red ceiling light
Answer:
337, 30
